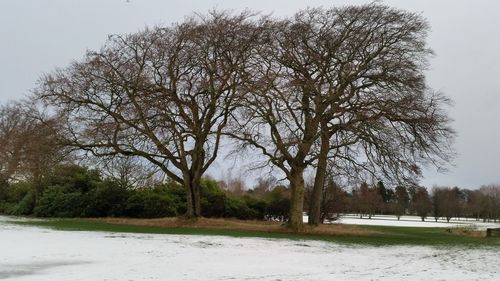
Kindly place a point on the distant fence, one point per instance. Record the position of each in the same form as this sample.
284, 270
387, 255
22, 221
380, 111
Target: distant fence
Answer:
492, 232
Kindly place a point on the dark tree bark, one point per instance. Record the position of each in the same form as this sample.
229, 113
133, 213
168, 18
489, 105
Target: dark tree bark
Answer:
297, 198
319, 179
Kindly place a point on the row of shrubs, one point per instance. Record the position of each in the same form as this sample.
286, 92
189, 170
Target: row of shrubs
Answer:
74, 191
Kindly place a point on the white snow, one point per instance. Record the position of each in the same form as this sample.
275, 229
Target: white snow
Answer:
413, 221
29, 253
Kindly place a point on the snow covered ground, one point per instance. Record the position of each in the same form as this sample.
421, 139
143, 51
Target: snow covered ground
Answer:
413, 221
29, 253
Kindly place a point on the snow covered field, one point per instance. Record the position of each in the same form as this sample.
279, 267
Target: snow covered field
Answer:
29, 253
413, 221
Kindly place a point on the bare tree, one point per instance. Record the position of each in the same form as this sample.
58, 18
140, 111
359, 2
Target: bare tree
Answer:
277, 116
29, 148
365, 200
490, 202
11, 126
446, 202
346, 83
130, 172
402, 201
334, 200
421, 202
163, 94
263, 185
234, 184
382, 118
370, 199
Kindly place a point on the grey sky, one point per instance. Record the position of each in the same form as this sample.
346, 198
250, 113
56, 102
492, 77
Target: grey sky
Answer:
37, 36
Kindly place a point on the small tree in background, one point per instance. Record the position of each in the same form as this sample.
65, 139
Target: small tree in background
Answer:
402, 200
369, 199
446, 202
421, 202
334, 200
30, 148
490, 202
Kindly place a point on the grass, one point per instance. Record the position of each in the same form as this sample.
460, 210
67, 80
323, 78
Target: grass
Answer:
367, 235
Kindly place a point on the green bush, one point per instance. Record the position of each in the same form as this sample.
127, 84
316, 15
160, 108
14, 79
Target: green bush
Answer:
177, 194
16, 198
108, 199
74, 178
25, 206
150, 204
74, 191
15, 192
237, 208
259, 206
278, 202
6, 207
213, 199
216, 203
56, 201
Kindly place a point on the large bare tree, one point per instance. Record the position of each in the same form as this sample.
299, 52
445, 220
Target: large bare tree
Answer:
278, 115
382, 118
346, 84
164, 94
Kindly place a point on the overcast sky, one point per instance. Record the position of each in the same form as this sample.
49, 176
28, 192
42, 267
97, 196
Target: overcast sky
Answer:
37, 36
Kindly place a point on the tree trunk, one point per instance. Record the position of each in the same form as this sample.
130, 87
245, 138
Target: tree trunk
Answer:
193, 206
297, 201
319, 180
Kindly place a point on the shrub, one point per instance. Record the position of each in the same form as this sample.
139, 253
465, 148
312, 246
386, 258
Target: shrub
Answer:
279, 202
176, 193
17, 199
213, 199
6, 207
56, 201
237, 208
107, 199
75, 178
15, 192
259, 206
150, 204
25, 206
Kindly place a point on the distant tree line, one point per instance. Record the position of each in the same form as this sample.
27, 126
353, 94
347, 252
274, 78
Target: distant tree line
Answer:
440, 203
340, 89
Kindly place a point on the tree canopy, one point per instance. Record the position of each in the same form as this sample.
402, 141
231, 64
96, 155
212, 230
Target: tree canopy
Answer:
341, 87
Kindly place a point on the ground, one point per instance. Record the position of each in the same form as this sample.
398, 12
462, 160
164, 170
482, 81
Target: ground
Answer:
33, 253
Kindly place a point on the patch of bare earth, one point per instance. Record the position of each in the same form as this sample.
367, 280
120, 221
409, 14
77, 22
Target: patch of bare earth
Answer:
234, 224
466, 231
